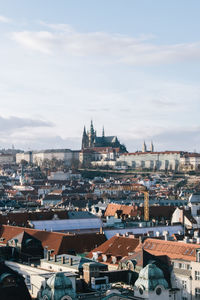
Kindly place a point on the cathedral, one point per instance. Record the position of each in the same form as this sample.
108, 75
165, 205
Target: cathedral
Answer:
90, 140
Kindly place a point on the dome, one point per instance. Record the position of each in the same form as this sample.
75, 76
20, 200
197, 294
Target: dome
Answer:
59, 281
194, 198
150, 277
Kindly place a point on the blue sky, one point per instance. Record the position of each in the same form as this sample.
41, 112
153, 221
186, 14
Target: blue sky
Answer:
132, 66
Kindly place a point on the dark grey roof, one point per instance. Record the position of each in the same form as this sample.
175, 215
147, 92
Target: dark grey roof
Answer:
80, 215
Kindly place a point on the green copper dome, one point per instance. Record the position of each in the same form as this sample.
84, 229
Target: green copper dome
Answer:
59, 281
150, 277
58, 287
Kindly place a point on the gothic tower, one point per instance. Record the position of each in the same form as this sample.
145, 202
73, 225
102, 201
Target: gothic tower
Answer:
84, 139
144, 147
92, 135
151, 147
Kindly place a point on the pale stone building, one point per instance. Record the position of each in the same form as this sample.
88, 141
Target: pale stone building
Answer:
27, 156
190, 161
7, 159
168, 160
38, 157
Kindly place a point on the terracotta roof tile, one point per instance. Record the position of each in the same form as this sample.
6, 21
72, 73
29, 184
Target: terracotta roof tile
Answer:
60, 242
117, 246
112, 209
172, 249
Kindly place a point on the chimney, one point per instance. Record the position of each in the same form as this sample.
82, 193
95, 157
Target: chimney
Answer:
70, 261
166, 234
63, 259
157, 233
55, 258
48, 255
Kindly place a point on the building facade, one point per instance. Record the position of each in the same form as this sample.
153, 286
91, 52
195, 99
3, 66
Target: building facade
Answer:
39, 157
91, 140
168, 160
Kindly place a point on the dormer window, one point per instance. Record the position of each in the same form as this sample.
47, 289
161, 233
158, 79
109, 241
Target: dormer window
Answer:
114, 259
198, 255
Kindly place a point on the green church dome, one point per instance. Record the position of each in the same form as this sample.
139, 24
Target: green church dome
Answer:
59, 281
150, 277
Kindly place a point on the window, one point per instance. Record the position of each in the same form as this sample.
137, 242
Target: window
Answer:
197, 275
197, 293
184, 284
158, 291
185, 266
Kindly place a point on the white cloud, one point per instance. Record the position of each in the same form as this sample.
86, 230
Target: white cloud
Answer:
5, 19
13, 123
116, 47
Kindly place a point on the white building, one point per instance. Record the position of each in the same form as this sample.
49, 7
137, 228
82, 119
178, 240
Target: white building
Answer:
27, 156
59, 175
6, 159
168, 160
36, 277
66, 155
190, 161
194, 204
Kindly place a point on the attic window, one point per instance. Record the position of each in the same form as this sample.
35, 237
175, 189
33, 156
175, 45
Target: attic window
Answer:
192, 251
119, 246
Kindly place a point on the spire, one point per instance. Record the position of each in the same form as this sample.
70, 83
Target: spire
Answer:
152, 147
91, 128
103, 132
84, 139
144, 147
84, 131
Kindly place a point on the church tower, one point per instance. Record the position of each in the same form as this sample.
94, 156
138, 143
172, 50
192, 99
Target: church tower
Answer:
151, 147
103, 132
144, 147
92, 135
84, 139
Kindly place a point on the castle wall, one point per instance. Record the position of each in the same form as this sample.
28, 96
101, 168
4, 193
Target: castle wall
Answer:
151, 160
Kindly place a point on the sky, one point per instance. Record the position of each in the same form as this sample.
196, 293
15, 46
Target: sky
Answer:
132, 66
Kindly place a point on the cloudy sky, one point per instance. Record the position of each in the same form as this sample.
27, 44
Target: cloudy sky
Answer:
130, 65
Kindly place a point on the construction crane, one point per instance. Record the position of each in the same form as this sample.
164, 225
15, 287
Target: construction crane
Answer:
138, 188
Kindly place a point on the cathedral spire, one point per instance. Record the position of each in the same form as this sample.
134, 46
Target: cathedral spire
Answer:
84, 139
91, 128
103, 132
144, 147
151, 147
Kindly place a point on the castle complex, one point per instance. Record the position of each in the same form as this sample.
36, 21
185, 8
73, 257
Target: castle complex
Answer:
102, 151
91, 140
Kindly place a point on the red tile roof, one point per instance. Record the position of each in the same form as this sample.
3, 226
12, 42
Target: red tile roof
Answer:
112, 208
144, 153
117, 246
60, 242
174, 250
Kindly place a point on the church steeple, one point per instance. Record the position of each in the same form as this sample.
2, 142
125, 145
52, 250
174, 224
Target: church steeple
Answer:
103, 132
92, 135
144, 147
84, 139
91, 128
151, 147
